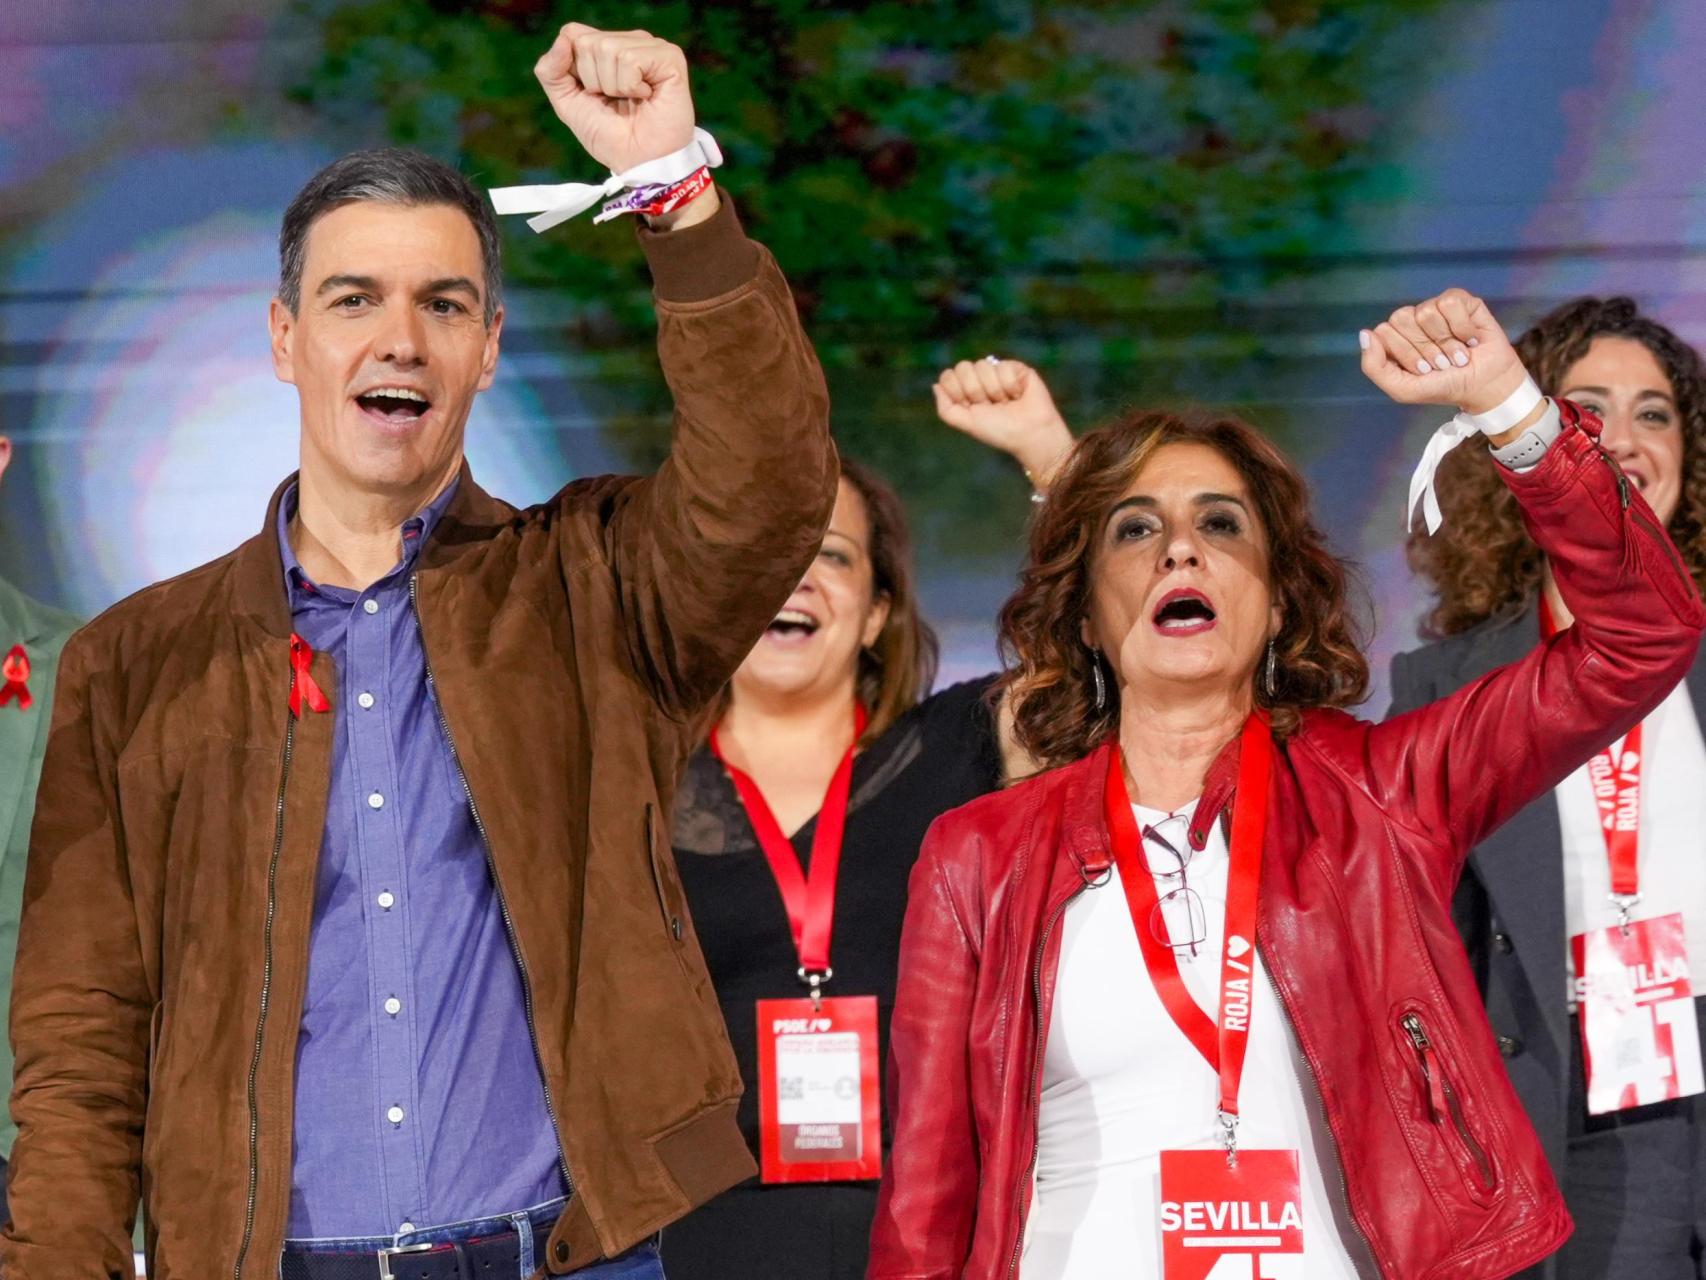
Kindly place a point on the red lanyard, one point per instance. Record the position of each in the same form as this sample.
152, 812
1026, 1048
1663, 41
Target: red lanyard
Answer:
1616, 779
810, 903
1222, 1042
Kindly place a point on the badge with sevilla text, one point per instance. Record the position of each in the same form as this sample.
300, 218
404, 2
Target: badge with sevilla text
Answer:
1640, 1038
819, 1105
1237, 1222
1226, 1213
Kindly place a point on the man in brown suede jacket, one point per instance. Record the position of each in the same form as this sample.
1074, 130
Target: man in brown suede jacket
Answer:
351, 941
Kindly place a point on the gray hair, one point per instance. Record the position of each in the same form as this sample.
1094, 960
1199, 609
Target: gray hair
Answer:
388, 175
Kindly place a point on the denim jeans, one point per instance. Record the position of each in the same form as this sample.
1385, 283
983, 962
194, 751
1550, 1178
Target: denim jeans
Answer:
639, 1263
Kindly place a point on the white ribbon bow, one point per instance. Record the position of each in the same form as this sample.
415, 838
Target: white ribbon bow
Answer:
1443, 441
558, 203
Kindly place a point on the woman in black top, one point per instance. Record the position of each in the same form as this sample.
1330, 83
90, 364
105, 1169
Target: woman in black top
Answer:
851, 632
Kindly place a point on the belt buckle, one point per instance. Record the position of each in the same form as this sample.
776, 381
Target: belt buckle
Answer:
385, 1256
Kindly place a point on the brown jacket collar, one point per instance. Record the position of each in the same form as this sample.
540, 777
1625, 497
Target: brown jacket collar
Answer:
258, 585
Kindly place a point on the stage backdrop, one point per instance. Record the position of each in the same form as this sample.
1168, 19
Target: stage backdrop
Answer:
1164, 201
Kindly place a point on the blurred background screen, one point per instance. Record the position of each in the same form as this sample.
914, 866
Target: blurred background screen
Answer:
1166, 202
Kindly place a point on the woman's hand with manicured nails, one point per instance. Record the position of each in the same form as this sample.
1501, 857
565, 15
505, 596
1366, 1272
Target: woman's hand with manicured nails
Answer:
1448, 350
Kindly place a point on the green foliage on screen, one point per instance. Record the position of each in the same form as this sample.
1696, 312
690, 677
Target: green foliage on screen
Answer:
1073, 183
923, 168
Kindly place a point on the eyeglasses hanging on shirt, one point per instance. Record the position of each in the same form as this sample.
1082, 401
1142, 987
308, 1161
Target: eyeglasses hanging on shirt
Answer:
1198, 1183
1179, 919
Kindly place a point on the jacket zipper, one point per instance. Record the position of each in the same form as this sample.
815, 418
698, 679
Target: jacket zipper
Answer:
266, 996
1037, 1067
1663, 540
1443, 1103
1622, 480
1315, 1086
503, 906
1623, 498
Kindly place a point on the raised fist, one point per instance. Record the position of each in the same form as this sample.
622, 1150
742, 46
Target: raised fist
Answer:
1448, 350
1006, 405
623, 94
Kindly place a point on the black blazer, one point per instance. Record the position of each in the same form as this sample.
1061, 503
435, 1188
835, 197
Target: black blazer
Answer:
1510, 904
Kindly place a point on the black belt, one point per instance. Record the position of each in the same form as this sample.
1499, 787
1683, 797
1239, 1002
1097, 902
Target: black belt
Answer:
487, 1258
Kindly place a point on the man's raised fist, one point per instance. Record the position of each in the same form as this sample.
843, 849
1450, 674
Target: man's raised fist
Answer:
623, 94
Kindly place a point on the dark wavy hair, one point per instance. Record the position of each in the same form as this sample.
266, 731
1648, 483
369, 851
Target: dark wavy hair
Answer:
898, 670
1482, 563
1318, 651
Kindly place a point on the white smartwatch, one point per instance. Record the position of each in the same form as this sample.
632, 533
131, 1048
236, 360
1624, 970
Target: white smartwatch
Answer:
1530, 447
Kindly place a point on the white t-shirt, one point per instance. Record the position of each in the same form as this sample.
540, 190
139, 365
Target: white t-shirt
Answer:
1672, 850
1121, 1083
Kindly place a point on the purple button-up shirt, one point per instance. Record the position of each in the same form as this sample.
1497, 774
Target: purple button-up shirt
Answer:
419, 1098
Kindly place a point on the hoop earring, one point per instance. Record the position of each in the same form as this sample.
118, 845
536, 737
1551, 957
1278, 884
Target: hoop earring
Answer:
1100, 683
1268, 673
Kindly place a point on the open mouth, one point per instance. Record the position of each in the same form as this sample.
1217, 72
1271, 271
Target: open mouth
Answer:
394, 404
1184, 613
792, 624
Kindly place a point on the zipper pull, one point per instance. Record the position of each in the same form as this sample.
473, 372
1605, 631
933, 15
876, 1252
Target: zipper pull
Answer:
1622, 480
1437, 1106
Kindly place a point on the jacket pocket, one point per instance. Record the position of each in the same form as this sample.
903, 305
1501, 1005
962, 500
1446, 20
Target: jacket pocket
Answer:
709, 1033
672, 901
1443, 1105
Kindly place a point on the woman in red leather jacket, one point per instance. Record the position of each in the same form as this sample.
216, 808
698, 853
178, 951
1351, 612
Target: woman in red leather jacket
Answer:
1192, 1003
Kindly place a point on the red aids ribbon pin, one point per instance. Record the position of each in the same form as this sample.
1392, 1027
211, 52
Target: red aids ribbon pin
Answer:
302, 686
16, 671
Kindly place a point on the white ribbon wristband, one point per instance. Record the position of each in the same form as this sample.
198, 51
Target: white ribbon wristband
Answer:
1516, 406
558, 203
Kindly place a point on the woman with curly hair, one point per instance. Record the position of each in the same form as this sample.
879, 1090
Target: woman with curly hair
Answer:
1629, 1160
1155, 1003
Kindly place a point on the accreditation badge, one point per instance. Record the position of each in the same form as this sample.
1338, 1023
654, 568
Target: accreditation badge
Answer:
1640, 1038
819, 1105
1241, 1221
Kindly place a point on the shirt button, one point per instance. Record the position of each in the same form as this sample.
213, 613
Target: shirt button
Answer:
405, 1228
370, 606
387, 900
395, 1115
375, 801
366, 700
393, 1006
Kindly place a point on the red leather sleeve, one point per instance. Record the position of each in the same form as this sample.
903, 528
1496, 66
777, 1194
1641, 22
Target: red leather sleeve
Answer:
928, 1199
1457, 768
